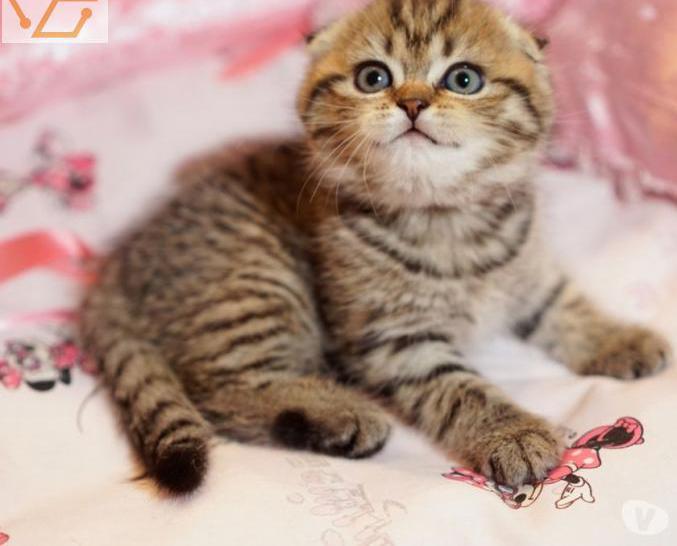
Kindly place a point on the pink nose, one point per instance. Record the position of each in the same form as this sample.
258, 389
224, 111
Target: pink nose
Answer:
413, 107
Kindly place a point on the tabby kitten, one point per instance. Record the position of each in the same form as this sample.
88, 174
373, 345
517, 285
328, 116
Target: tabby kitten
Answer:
292, 290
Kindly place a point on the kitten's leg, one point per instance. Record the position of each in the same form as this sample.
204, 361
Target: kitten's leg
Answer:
252, 363
423, 381
571, 329
301, 413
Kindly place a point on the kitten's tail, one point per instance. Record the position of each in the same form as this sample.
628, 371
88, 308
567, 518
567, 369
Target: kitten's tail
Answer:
167, 430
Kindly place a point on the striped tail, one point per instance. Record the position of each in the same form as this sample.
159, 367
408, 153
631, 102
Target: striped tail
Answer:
167, 430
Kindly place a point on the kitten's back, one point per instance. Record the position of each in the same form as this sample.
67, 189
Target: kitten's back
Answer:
234, 214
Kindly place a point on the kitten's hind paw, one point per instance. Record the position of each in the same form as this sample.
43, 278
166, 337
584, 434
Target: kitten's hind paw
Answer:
630, 353
352, 433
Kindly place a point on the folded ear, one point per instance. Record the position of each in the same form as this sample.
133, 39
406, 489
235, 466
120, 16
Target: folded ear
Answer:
533, 46
541, 41
319, 43
530, 43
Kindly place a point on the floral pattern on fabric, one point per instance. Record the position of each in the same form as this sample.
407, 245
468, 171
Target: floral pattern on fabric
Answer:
41, 365
68, 175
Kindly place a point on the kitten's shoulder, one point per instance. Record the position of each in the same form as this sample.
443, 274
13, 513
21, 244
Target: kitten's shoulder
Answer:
255, 162
274, 172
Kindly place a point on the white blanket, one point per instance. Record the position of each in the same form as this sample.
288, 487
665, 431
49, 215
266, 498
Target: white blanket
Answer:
66, 470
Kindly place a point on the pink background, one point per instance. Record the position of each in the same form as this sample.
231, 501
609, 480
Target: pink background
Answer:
614, 64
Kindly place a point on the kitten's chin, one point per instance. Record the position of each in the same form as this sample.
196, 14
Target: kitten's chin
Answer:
414, 173
415, 157
390, 187
416, 139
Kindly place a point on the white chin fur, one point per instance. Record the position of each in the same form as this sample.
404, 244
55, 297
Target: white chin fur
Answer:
412, 172
418, 173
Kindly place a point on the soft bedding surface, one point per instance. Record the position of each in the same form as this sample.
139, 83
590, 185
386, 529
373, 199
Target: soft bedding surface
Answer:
66, 472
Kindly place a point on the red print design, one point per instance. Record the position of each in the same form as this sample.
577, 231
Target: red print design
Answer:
39, 365
583, 455
70, 176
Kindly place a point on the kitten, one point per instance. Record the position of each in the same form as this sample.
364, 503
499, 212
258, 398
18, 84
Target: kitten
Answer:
289, 292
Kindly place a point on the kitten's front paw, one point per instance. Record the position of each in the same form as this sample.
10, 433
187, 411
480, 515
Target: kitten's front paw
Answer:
522, 451
629, 353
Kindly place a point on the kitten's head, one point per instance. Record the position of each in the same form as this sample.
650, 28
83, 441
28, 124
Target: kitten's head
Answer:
420, 103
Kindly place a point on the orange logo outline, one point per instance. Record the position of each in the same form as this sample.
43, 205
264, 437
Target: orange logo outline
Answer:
39, 31
24, 21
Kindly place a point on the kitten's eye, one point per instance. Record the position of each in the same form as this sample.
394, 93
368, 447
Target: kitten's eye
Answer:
464, 79
372, 77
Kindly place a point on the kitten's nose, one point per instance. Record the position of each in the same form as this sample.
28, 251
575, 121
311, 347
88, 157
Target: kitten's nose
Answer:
413, 107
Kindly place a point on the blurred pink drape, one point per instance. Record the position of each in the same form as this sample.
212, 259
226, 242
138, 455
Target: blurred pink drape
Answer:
615, 69
145, 35
614, 64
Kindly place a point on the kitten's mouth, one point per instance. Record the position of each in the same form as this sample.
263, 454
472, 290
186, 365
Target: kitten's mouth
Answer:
415, 133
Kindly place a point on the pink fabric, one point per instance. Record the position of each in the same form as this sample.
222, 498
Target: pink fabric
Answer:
626, 257
532, 12
59, 251
144, 35
39, 317
614, 63
274, 44
20, 361
68, 175
617, 90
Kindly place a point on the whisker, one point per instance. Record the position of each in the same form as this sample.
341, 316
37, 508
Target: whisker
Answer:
336, 153
312, 173
372, 146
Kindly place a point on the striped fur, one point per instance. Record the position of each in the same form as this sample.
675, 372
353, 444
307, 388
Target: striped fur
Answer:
291, 292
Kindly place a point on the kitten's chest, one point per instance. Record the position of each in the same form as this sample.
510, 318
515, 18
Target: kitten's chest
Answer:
448, 248
425, 266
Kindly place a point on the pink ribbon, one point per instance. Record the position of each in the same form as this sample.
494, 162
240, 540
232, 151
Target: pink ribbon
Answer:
60, 251
56, 316
292, 28
139, 42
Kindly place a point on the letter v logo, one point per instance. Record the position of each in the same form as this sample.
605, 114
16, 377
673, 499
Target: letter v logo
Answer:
643, 518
